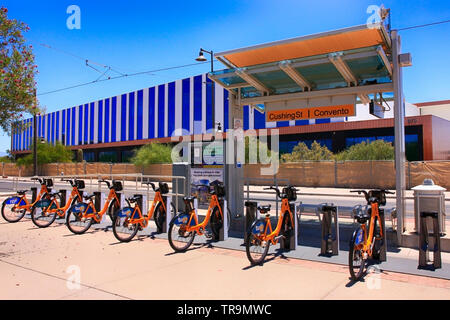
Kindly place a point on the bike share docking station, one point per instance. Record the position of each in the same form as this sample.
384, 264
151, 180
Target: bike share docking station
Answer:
288, 241
329, 216
203, 164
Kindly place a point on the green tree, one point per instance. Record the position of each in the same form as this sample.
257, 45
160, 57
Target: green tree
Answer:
376, 150
48, 153
17, 73
301, 152
152, 154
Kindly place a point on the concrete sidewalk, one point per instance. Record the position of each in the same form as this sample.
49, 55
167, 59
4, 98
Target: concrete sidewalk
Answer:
41, 264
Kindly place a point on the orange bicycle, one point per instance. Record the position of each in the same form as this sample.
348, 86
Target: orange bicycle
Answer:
185, 225
261, 234
82, 215
128, 221
367, 241
45, 211
15, 208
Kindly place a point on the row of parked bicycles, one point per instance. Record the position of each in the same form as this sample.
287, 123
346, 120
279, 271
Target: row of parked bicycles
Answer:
81, 211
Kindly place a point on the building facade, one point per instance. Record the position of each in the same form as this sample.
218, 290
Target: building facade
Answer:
110, 129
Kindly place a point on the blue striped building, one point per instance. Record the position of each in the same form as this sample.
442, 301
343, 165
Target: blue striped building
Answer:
173, 109
110, 129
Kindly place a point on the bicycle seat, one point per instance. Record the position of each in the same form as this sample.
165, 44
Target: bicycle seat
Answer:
22, 192
135, 198
189, 199
264, 209
89, 196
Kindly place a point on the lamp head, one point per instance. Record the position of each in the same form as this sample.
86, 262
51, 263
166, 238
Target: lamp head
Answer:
201, 57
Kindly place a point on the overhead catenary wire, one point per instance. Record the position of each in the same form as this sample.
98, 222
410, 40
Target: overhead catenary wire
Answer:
123, 76
424, 25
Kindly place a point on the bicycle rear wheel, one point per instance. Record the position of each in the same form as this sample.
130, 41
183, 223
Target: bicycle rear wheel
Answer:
42, 218
10, 214
76, 223
179, 239
122, 229
356, 261
255, 247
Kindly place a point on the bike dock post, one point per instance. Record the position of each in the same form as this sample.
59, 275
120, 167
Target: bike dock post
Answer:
223, 234
167, 201
33, 194
425, 244
251, 215
63, 197
290, 243
383, 249
330, 239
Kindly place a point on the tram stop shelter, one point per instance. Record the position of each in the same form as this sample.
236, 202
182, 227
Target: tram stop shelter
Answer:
320, 75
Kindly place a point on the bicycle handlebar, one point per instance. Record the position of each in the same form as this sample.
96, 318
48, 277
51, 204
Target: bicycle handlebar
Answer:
276, 189
107, 183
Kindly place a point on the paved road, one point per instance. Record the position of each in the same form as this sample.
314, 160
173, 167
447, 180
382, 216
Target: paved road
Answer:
46, 264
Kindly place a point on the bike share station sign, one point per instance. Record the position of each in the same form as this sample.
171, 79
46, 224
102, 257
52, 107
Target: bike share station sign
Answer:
204, 170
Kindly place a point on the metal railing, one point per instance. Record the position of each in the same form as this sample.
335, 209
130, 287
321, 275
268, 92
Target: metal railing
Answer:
138, 179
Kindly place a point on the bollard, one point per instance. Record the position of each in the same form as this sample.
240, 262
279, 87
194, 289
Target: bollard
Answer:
330, 238
424, 242
251, 214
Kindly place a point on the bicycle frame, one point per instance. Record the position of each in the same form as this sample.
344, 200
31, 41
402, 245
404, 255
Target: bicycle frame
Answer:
28, 205
62, 211
367, 245
97, 216
143, 221
201, 226
269, 234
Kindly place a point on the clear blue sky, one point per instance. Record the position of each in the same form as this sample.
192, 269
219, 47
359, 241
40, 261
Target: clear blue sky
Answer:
135, 36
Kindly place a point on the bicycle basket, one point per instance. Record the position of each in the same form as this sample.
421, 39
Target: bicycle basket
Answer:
163, 188
380, 195
79, 184
117, 186
219, 190
48, 183
290, 193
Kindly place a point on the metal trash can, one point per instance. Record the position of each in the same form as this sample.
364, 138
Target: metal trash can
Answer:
429, 197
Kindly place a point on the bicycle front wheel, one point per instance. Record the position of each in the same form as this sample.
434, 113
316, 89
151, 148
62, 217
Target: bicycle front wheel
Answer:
76, 223
179, 239
255, 246
122, 229
41, 218
10, 213
356, 260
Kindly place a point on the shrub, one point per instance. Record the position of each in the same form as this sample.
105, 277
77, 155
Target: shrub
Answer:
48, 153
301, 152
152, 154
376, 150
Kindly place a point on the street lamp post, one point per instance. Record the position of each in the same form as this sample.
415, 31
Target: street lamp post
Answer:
201, 58
35, 135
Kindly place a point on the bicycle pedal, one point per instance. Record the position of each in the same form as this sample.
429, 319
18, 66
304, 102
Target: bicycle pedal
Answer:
208, 235
279, 238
